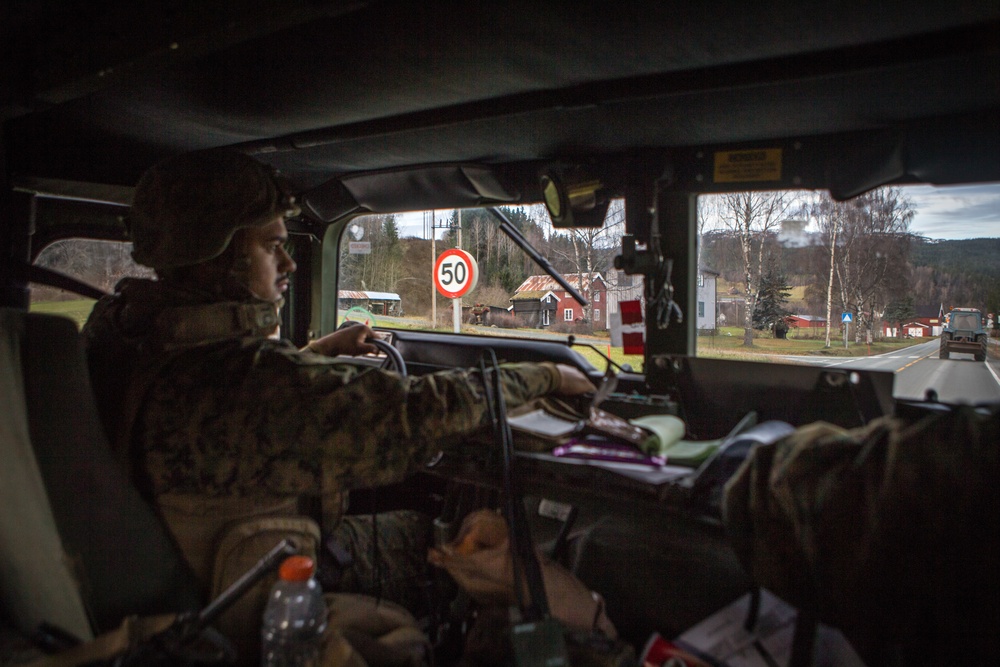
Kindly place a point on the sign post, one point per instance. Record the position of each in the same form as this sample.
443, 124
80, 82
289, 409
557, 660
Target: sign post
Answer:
456, 273
846, 319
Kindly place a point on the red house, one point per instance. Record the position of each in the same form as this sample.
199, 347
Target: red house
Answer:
927, 322
806, 321
541, 301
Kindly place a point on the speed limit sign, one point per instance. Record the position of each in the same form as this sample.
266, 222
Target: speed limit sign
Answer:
456, 273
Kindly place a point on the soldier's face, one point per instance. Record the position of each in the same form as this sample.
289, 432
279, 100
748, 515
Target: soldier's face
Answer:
270, 265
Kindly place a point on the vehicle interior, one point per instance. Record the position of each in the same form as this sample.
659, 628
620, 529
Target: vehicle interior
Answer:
385, 107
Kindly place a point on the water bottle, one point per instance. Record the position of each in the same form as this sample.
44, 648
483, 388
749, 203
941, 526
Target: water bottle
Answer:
295, 617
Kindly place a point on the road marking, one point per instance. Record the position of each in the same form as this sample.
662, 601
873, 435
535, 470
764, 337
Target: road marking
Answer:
993, 372
917, 360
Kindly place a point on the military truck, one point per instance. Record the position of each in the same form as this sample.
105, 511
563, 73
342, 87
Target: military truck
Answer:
964, 333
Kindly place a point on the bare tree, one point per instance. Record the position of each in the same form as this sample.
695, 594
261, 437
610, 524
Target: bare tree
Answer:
867, 240
592, 249
875, 251
829, 216
754, 219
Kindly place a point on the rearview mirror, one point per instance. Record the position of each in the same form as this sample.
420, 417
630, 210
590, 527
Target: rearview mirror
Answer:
573, 198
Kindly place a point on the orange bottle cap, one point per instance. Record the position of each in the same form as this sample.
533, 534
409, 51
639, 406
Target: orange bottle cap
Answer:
297, 568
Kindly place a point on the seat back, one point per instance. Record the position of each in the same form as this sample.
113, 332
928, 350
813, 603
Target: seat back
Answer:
88, 536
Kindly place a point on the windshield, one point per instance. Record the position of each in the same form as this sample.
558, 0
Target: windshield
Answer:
967, 321
456, 271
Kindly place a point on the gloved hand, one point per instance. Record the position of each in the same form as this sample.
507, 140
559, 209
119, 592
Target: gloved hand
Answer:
480, 562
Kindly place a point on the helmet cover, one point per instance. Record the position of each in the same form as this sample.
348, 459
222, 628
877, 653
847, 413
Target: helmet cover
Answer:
187, 207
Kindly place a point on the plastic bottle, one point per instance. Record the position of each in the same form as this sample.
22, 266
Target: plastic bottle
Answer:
295, 617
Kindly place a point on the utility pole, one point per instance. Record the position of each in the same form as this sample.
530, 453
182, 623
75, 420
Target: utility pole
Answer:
456, 304
434, 298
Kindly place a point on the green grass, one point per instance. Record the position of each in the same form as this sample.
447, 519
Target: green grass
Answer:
730, 340
77, 310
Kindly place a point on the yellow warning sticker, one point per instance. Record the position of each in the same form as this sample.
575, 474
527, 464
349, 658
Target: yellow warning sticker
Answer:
762, 164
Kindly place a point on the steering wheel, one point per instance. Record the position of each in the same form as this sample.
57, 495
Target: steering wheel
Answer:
393, 359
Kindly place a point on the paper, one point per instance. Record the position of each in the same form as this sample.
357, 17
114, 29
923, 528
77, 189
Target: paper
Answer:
543, 423
723, 637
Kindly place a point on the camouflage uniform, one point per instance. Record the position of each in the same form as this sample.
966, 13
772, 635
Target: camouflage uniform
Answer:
223, 410
888, 532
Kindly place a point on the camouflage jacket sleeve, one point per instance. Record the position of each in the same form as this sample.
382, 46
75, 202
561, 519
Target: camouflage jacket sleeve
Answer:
245, 417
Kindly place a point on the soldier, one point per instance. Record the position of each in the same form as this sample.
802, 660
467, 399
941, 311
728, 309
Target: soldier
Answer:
207, 404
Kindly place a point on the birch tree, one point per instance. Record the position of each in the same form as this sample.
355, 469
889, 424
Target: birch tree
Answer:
753, 219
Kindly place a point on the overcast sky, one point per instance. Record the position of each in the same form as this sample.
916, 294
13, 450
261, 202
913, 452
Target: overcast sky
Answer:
956, 212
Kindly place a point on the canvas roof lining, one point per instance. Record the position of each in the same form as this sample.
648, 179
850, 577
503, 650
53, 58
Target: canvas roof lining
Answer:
404, 103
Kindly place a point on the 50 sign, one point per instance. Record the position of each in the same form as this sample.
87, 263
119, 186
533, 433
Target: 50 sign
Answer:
456, 273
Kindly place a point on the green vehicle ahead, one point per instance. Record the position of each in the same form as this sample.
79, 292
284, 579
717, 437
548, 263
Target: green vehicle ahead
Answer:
964, 332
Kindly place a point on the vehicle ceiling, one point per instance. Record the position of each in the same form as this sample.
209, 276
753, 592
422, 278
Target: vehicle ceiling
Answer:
95, 94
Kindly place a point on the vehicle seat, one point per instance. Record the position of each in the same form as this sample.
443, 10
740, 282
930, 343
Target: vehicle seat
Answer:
79, 547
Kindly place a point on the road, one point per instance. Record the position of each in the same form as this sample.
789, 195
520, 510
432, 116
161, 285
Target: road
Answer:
957, 380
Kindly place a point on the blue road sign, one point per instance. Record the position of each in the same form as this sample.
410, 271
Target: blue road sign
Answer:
846, 317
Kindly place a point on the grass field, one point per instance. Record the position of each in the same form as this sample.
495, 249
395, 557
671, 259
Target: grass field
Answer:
726, 344
77, 310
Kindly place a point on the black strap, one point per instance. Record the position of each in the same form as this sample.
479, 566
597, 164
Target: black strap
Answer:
43, 276
525, 560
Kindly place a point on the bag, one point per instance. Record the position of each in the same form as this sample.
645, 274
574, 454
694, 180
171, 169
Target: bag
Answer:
887, 532
480, 562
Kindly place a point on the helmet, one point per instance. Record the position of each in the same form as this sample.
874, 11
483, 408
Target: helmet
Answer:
187, 207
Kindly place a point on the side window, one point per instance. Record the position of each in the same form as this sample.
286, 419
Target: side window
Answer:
100, 264
568, 314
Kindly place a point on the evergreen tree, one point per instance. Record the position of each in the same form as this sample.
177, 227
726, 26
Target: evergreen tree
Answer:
897, 312
771, 312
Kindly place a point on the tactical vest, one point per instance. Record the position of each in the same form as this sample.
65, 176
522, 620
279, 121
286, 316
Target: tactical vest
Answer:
223, 537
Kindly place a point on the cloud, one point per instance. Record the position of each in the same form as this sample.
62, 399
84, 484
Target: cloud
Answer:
956, 212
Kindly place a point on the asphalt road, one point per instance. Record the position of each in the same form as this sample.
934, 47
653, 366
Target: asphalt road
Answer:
959, 379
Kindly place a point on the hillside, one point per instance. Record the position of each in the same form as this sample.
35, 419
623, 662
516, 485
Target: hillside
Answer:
951, 272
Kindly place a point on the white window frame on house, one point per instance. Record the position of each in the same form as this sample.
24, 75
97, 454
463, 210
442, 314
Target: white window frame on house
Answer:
701, 280
597, 314
545, 316
597, 297
701, 309
567, 314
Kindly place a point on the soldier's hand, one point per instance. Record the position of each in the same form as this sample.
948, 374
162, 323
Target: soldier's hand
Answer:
572, 381
351, 340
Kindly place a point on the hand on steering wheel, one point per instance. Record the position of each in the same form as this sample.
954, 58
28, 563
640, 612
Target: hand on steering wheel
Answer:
393, 359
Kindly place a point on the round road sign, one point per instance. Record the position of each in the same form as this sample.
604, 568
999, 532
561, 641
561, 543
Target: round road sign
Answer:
456, 273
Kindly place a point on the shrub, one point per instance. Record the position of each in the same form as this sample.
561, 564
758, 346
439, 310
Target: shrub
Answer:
505, 321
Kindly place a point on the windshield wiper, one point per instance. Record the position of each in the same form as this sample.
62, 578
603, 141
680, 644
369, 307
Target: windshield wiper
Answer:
508, 228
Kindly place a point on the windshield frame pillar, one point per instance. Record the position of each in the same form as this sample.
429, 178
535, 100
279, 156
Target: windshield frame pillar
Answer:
675, 227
